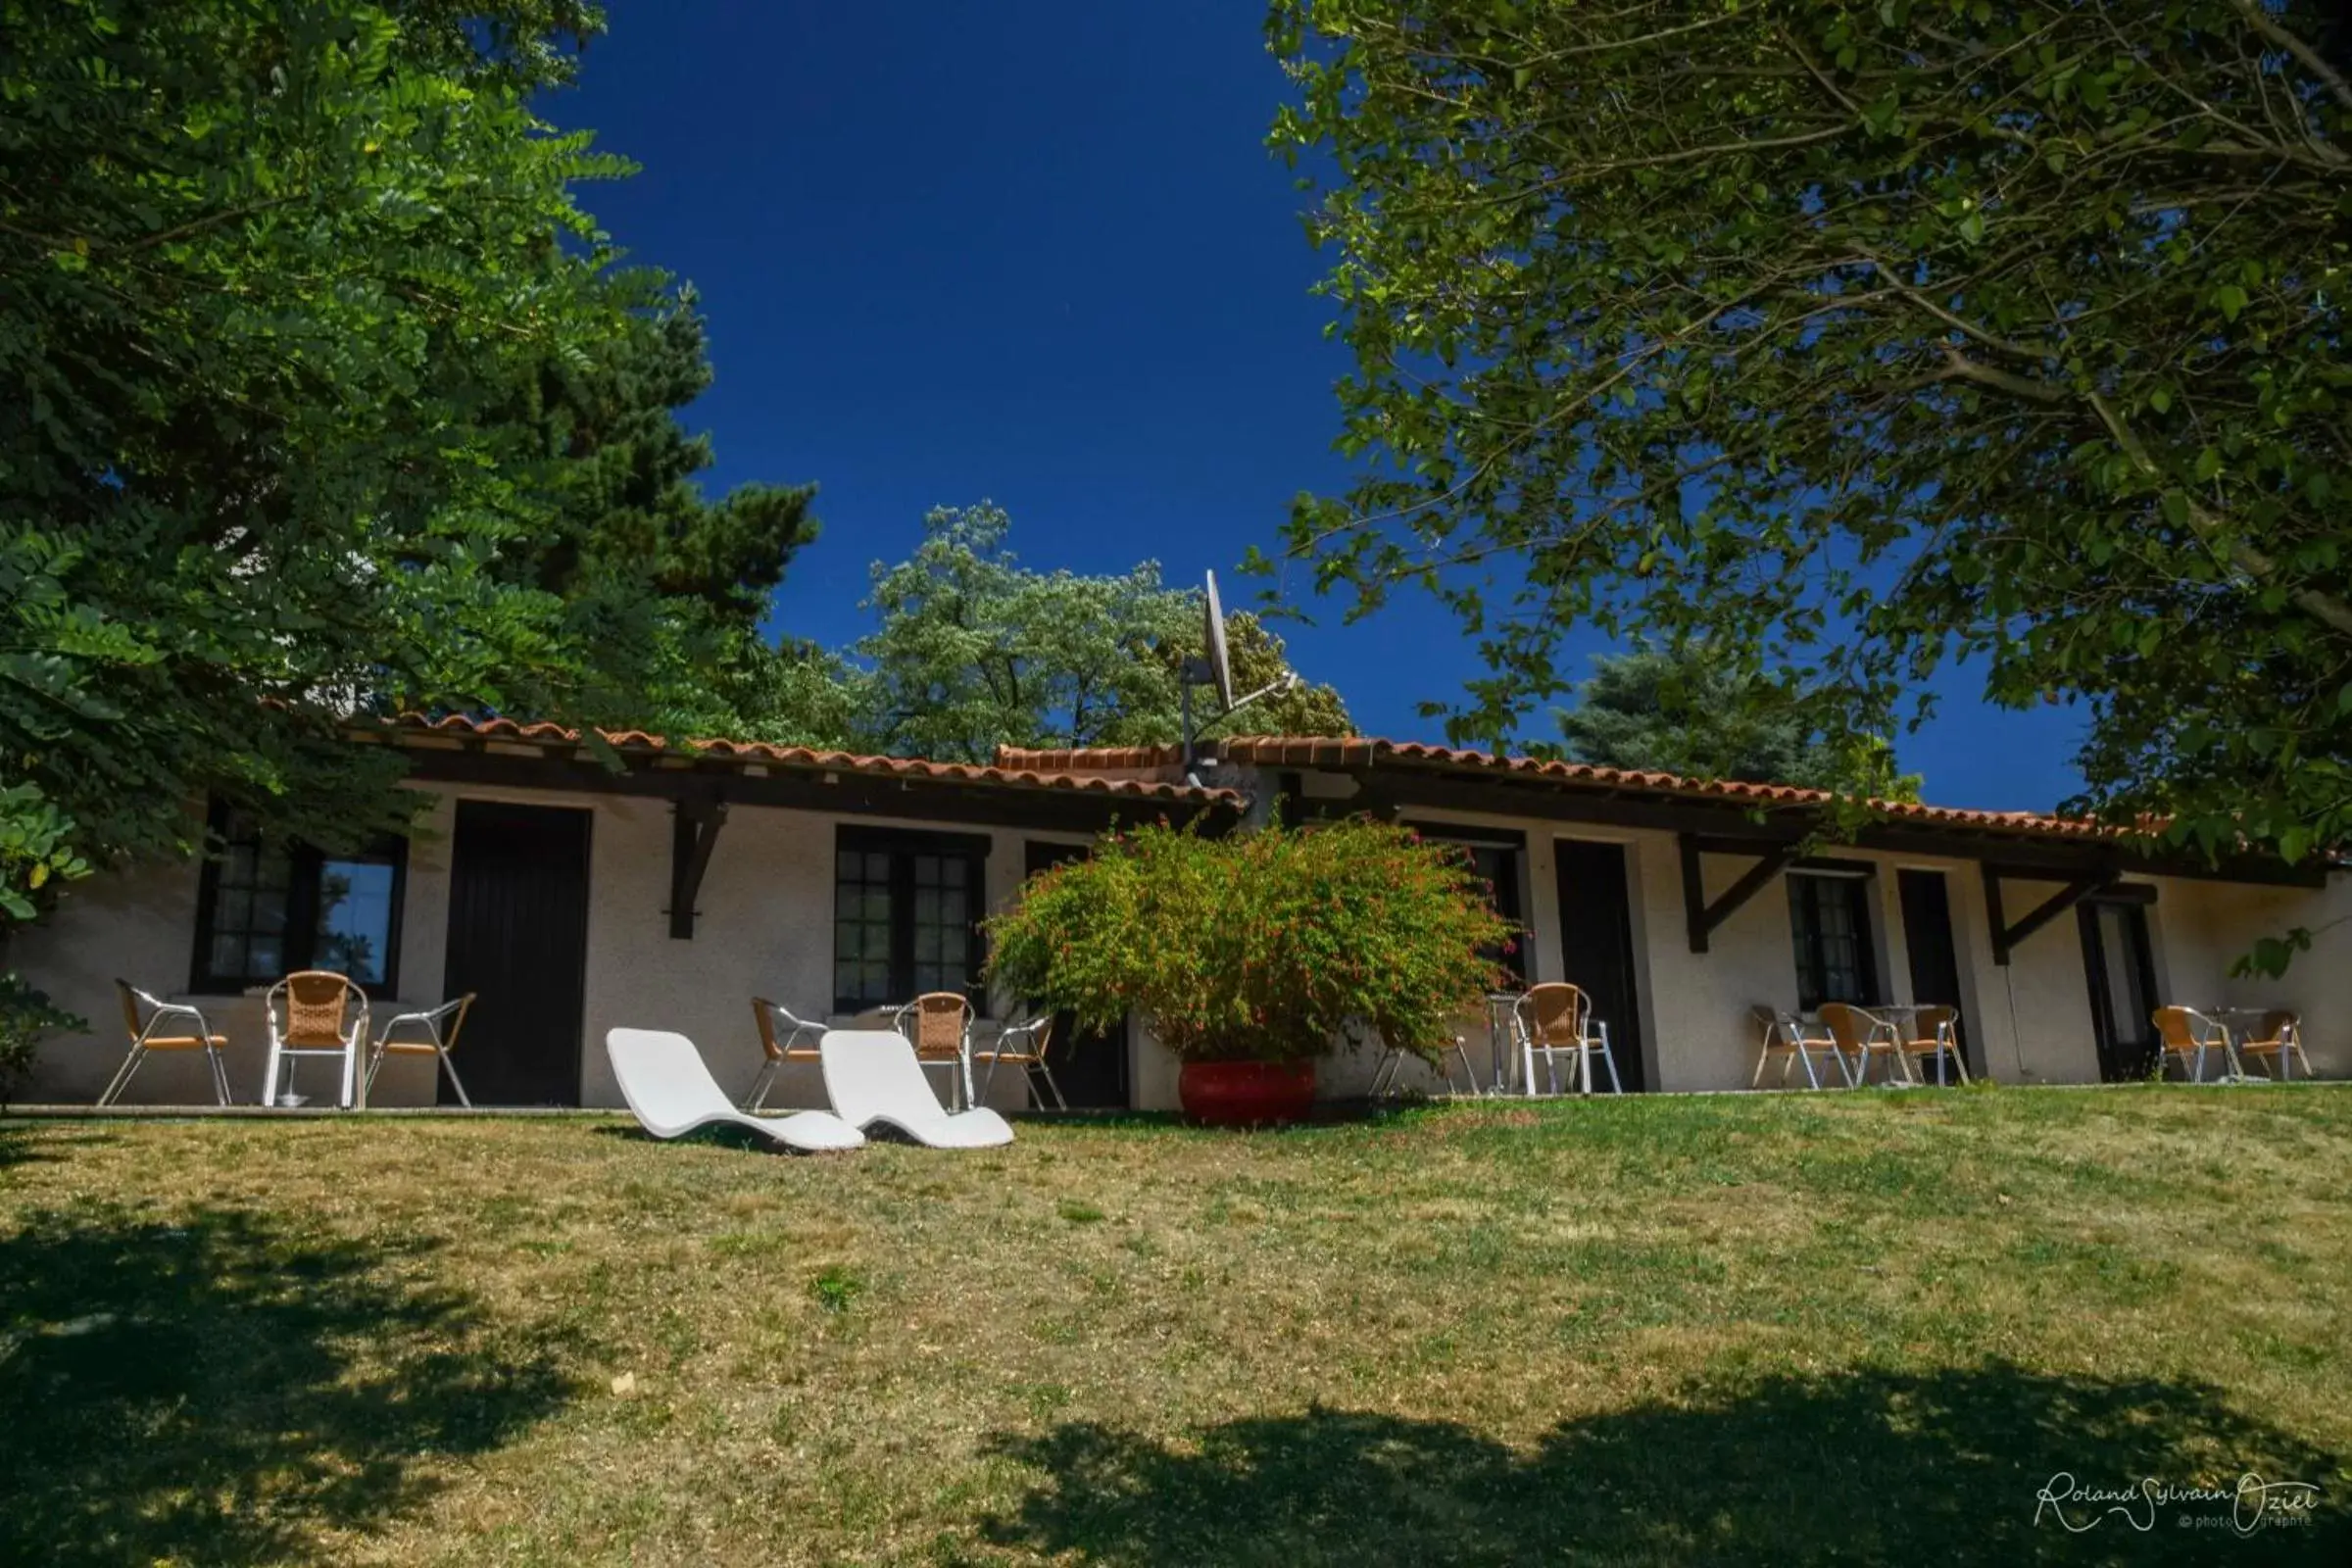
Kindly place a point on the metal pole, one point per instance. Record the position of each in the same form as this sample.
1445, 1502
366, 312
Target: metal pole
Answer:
1184, 681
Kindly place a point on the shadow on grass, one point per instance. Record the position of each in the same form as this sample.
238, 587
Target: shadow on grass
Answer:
1866, 1467
23, 1144
222, 1389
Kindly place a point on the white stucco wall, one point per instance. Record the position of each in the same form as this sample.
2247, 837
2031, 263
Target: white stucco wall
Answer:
765, 928
2030, 1020
2208, 926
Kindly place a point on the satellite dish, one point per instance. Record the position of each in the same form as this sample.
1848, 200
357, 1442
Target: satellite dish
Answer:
1220, 666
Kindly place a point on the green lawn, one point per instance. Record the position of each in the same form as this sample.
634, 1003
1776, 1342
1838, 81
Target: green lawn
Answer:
1732, 1329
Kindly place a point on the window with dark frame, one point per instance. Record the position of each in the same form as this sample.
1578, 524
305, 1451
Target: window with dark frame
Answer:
1829, 919
1495, 862
266, 907
906, 910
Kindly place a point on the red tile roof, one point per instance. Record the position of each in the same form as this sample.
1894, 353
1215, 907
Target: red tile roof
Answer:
1297, 751
1064, 779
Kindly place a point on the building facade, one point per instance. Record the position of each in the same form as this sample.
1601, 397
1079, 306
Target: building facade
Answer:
570, 896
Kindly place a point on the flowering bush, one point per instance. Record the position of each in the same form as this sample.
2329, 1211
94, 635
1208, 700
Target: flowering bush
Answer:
1264, 946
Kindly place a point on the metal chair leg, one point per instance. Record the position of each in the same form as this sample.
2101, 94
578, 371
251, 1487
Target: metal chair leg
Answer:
451, 1068
1608, 1059
1059, 1103
121, 1078
756, 1101
1469, 1076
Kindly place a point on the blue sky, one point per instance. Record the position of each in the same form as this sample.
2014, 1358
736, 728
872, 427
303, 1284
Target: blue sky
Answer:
1037, 253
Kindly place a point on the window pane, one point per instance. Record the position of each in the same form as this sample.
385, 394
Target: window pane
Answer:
248, 910
861, 928
354, 935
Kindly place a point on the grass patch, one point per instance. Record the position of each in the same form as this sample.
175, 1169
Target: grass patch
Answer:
836, 1289
1664, 1331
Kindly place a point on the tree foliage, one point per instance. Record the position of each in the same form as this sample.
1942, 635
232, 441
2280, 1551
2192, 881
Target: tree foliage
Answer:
976, 651
1694, 713
322, 398
662, 587
1863, 336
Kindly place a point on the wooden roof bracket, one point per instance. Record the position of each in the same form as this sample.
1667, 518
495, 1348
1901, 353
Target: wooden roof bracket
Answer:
696, 819
1703, 916
2006, 933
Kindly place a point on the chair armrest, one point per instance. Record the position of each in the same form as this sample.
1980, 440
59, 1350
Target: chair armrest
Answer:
422, 1019
175, 1010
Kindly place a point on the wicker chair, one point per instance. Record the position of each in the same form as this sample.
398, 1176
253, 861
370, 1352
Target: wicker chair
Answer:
2188, 1034
1554, 1020
798, 1044
1869, 1038
432, 1032
314, 1012
939, 1024
1388, 1074
2279, 1042
164, 1027
1783, 1035
1934, 1033
1024, 1045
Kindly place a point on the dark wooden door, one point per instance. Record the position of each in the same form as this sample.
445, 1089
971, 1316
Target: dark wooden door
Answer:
1597, 945
1091, 1069
518, 940
1934, 957
2121, 970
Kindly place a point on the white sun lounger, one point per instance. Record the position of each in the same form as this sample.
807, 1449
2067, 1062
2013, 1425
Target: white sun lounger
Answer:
872, 1075
663, 1078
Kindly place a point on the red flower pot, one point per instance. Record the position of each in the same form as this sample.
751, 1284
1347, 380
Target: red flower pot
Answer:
1245, 1094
